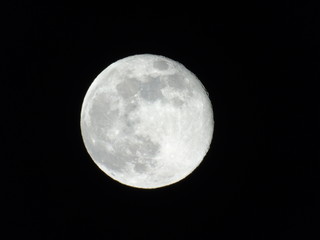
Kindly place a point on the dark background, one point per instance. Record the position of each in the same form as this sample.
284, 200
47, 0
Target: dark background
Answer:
260, 64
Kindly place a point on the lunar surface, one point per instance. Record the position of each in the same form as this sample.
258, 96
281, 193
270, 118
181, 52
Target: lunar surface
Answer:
147, 121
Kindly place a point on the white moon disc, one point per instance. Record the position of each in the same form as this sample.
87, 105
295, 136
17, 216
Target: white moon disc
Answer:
147, 121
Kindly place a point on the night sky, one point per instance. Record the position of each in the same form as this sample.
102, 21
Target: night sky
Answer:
260, 63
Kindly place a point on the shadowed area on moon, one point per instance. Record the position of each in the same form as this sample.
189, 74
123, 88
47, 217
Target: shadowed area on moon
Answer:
113, 137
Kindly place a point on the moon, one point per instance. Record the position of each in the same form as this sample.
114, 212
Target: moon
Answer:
147, 121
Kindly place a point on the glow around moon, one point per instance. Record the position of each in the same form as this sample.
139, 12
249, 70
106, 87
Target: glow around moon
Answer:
147, 121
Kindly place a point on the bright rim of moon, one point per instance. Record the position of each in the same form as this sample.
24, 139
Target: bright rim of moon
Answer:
147, 121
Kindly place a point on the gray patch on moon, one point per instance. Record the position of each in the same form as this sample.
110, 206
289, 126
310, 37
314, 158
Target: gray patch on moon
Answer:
177, 102
104, 157
128, 128
131, 106
128, 88
139, 151
151, 90
147, 147
160, 65
100, 114
134, 149
140, 168
176, 81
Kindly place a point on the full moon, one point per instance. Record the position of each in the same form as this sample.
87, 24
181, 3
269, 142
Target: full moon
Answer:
147, 121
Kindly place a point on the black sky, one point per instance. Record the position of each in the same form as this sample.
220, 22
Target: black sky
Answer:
260, 63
